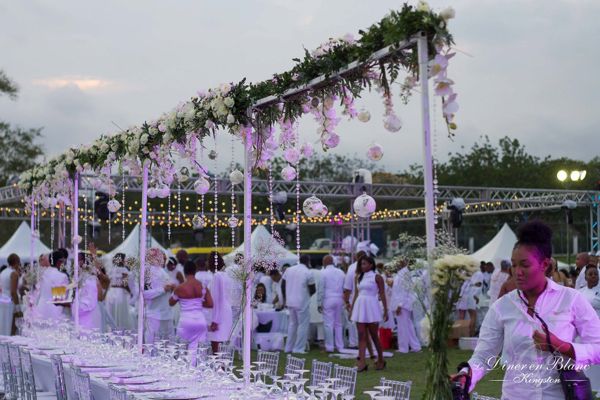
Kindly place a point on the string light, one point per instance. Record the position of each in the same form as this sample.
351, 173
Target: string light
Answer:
271, 217
298, 210
434, 163
216, 207
123, 203
169, 217
52, 214
85, 208
178, 203
232, 194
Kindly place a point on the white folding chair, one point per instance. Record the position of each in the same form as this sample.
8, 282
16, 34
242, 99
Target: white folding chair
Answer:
397, 389
346, 379
229, 351
31, 393
11, 391
16, 369
59, 377
294, 364
116, 393
321, 371
82, 385
475, 396
271, 360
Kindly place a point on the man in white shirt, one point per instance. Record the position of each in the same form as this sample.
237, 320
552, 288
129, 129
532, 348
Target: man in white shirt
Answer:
403, 299
297, 287
331, 303
50, 277
497, 280
349, 283
581, 260
159, 315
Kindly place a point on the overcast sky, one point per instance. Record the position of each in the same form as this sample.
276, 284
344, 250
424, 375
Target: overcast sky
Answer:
527, 69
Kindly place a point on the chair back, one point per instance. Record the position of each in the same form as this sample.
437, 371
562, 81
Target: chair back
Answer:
11, 391
59, 377
16, 368
397, 389
116, 393
294, 364
28, 375
82, 385
228, 349
475, 396
271, 360
321, 371
346, 379
204, 350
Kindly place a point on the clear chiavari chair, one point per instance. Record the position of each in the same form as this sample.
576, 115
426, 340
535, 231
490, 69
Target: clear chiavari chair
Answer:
321, 371
31, 392
82, 385
59, 377
294, 364
11, 391
17, 369
346, 378
399, 390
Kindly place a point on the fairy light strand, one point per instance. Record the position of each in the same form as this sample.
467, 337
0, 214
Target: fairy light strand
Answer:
215, 208
123, 204
298, 210
233, 228
271, 215
169, 217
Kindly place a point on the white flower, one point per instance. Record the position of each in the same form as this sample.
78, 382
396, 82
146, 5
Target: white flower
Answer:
423, 6
230, 119
443, 87
225, 88
143, 139
292, 155
307, 150
348, 38
229, 102
448, 13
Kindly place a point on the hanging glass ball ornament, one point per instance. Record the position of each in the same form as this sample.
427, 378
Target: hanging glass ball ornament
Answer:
236, 177
163, 192
198, 222
364, 205
312, 206
364, 115
202, 185
375, 152
288, 173
113, 206
152, 193
232, 222
392, 123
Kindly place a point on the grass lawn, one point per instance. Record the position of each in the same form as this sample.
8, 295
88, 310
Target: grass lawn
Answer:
404, 367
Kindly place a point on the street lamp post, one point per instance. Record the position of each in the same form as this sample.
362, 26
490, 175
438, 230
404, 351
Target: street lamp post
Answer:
566, 178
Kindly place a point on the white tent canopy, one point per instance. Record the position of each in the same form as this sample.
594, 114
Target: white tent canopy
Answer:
20, 244
131, 246
262, 235
499, 248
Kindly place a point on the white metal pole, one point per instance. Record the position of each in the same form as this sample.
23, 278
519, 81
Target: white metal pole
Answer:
142, 257
247, 325
32, 226
427, 157
75, 244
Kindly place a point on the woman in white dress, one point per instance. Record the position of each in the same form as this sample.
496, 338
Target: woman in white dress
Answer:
9, 298
117, 298
90, 315
366, 312
222, 317
193, 297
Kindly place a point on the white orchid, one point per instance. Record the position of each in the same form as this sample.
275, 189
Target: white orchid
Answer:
443, 86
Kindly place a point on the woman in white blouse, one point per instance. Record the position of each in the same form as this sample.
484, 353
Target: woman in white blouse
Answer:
512, 326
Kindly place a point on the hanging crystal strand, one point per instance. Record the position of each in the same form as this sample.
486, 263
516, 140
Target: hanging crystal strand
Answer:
233, 228
178, 203
434, 162
52, 214
271, 215
85, 208
123, 204
109, 219
215, 208
169, 217
298, 210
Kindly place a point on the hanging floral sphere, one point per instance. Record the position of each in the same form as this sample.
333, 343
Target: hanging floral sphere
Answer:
151, 193
113, 206
392, 123
288, 173
236, 177
307, 150
212, 155
163, 192
312, 206
292, 155
198, 222
183, 175
232, 222
364, 115
375, 152
202, 185
364, 205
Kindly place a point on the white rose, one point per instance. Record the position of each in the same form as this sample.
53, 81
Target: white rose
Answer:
105, 147
230, 119
225, 88
229, 102
423, 6
143, 139
114, 146
448, 13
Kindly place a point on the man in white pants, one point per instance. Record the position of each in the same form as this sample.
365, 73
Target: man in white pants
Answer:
297, 287
159, 315
403, 298
349, 297
331, 303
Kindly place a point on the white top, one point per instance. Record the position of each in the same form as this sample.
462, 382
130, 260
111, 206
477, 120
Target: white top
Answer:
50, 277
277, 292
5, 284
593, 296
349, 279
332, 284
118, 276
498, 279
155, 298
235, 288
221, 295
403, 294
205, 277
297, 279
580, 282
508, 328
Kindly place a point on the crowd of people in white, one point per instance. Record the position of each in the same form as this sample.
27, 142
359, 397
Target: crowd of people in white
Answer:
201, 301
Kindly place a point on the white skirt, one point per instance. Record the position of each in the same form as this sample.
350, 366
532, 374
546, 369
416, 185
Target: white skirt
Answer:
366, 309
223, 332
117, 305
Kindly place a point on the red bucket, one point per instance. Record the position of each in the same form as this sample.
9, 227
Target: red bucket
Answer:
386, 338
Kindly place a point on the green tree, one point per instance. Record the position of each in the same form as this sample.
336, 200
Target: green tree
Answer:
20, 148
7, 86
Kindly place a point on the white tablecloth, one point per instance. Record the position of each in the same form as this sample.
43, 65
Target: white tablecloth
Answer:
279, 318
